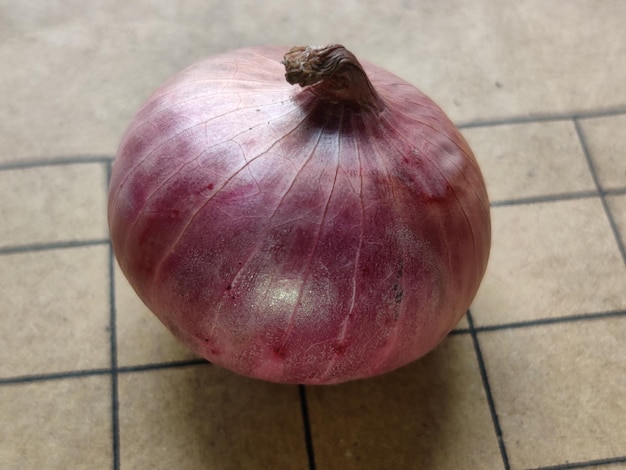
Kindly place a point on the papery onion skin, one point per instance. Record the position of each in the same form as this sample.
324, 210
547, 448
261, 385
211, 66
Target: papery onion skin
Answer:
295, 238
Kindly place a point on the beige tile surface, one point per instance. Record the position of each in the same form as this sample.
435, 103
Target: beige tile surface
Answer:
558, 390
53, 203
431, 414
205, 417
515, 74
55, 311
606, 140
530, 160
56, 424
550, 260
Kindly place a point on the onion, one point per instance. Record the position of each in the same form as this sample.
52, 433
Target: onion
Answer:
308, 234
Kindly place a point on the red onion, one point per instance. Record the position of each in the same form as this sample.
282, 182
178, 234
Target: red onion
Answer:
312, 234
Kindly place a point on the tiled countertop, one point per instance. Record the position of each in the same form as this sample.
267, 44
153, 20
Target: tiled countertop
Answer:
533, 377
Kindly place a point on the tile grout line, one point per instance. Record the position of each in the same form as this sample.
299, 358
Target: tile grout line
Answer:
584, 464
308, 437
162, 365
102, 371
115, 429
545, 198
60, 245
596, 180
115, 423
598, 113
58, 161
20, 379
487, 388
546, 321
614, 192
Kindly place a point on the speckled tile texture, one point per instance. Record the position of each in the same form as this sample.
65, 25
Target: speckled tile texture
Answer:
534, 377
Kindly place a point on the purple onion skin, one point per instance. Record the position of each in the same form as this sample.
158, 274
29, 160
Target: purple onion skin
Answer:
293, 239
